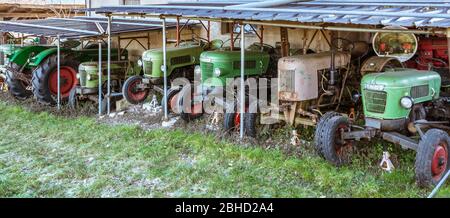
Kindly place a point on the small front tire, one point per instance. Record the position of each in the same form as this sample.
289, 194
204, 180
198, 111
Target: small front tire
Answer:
432, 158
334, 148
131, 91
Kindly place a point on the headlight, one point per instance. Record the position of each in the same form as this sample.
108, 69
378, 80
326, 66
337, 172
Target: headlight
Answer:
88, 77
140, 63
78, 76
406, 102
197, 70
217, 72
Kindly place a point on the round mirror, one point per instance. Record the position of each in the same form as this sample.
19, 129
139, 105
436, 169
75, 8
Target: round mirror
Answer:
400, 45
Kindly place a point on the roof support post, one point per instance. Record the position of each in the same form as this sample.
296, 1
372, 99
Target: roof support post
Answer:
284, 41
108, 102
448, 42
166, 113
242, 90
178, 32
208, 32
232, 35
58, 67
100, 90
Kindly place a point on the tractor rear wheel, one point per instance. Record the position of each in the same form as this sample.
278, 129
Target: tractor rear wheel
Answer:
334, 148
18, 88
319, 129
132, 92
45, 78
432, 158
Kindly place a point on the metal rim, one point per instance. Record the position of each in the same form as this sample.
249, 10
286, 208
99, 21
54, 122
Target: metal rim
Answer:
68, 81
439, 161
134, 92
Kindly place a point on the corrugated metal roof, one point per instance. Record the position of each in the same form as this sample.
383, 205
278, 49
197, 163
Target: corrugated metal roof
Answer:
419, 13
80, 26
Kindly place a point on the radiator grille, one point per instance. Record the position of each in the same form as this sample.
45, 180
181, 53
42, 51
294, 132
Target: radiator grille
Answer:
419, 91
247, 64
180, 60
375, 101
287, 80
207, 70
148, 67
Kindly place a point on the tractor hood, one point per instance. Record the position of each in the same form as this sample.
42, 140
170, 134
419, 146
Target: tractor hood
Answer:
227, 56
401, 79
157, 54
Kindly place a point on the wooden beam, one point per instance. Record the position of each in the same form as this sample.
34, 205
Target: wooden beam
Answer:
27, 15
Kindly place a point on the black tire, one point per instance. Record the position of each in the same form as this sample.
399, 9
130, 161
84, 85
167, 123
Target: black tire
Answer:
319, 128
73, 99
17, 88
170, 94
250, 123
41, 78
130, 93
229, 123
330, 146
427, 163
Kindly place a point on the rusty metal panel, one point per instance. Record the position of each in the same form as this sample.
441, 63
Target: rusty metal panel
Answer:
298, 76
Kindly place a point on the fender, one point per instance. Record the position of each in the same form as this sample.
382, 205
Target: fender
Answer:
20, 56
37, 59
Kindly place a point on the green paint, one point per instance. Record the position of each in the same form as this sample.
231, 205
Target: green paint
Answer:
229, 63
178, 57
398, 84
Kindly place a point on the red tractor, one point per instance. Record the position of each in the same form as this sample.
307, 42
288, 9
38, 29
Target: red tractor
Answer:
432, 54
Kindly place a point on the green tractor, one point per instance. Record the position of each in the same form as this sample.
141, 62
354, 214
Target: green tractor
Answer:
405, 107
180, 63
216, 69
18, 70
33, 70
88, 82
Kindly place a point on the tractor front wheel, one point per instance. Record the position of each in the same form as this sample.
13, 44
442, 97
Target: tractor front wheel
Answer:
18, 88
75, 102
196, 109
320, 128
45, 78
333, 146
132, 92
432, 158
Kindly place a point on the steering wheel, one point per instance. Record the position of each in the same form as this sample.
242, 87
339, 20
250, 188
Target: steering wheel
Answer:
429, 62
348, 46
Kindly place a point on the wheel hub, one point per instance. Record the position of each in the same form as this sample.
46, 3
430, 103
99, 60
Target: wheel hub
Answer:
67, 81
237, 119
340, 142
135, 92
439, 161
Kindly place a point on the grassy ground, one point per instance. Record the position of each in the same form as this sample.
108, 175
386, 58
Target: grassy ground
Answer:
46, 156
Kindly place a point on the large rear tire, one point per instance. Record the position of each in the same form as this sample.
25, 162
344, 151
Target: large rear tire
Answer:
18, 88
45, 78
432, 158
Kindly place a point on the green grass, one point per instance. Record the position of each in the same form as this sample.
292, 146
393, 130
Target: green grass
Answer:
42, 155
